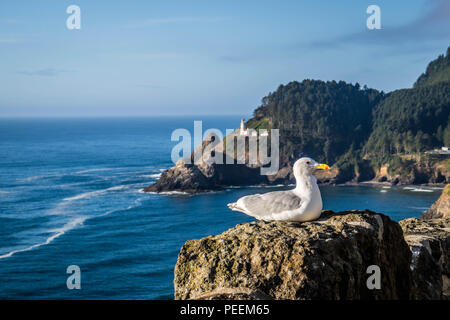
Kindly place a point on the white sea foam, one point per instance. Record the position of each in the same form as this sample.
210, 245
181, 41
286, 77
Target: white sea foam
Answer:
419, 208
93, 170
421, 190
85, 195
57, 233
167, 192
383, 191
91, 194
152, 176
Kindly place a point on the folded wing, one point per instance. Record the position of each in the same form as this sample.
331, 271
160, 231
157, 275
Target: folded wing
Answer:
263, 206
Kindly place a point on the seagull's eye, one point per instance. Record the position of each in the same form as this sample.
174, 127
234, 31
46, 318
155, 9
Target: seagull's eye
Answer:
308, 162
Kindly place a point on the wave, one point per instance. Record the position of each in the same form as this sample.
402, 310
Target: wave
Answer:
34, 178
86, 195
57, 233
93, 170
420, 208
383, 191
72, 224
421, 190
168, 192
90, 194
152, 176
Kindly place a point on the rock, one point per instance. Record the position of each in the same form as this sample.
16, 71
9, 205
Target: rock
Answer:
182, 177
429, 241
233, 294
415, 172
441, 208
323, 259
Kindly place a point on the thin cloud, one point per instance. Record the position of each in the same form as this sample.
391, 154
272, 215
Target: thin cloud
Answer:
47, 72
160, 21
149, 86
434, 24
236, 58
163, 55
9, 40
11, 21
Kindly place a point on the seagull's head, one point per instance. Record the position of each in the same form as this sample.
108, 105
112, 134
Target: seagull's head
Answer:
306, 166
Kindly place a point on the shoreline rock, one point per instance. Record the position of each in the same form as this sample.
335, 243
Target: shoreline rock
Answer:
429, 242
191, 178
323, 259
441, 208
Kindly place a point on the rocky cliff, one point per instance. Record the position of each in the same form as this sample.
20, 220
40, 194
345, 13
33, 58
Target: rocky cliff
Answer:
441, 208
324, 259
429, 241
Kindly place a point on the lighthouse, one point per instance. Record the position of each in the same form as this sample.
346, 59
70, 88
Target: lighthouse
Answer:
243, 131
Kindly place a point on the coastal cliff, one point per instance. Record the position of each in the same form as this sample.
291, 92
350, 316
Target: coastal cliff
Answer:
323, 259
429, 242
441, 208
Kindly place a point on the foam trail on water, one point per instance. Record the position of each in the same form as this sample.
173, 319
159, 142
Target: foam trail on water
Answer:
57, 233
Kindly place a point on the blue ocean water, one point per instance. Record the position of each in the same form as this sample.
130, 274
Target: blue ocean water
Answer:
70, 195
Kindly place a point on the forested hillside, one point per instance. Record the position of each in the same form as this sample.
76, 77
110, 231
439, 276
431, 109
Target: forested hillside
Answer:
321, 119
437, 71
411, 120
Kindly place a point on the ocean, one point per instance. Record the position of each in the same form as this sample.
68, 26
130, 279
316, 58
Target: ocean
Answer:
70, 194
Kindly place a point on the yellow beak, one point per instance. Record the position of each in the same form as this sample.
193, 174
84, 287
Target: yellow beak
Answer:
322, 166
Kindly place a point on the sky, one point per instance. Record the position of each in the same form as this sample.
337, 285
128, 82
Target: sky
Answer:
166, 57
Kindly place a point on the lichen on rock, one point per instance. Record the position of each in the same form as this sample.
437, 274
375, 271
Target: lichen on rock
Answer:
323, 259
441, 208
429, 241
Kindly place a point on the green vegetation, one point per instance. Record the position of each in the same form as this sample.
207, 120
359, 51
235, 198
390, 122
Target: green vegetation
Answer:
321, 119
437, 71
411, 120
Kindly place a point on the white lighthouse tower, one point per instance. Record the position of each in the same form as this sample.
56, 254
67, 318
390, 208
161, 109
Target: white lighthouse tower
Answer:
243, 131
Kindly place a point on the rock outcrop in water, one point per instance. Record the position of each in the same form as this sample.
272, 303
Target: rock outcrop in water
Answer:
323, 259
441, 208
191, 178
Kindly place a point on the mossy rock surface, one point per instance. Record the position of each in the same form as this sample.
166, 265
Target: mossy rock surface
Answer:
323, 259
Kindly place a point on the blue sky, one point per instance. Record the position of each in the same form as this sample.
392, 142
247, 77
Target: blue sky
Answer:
143, 58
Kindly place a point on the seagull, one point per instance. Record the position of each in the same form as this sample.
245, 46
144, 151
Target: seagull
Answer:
303, 203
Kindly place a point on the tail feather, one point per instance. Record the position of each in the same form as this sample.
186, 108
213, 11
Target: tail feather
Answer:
235, 207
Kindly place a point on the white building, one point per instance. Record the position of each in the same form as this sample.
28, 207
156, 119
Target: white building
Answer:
443, 150
243, 131
253, 133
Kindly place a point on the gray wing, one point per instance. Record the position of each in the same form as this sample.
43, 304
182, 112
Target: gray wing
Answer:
264, 205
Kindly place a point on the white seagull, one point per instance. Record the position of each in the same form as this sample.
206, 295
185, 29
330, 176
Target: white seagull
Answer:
303, 203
